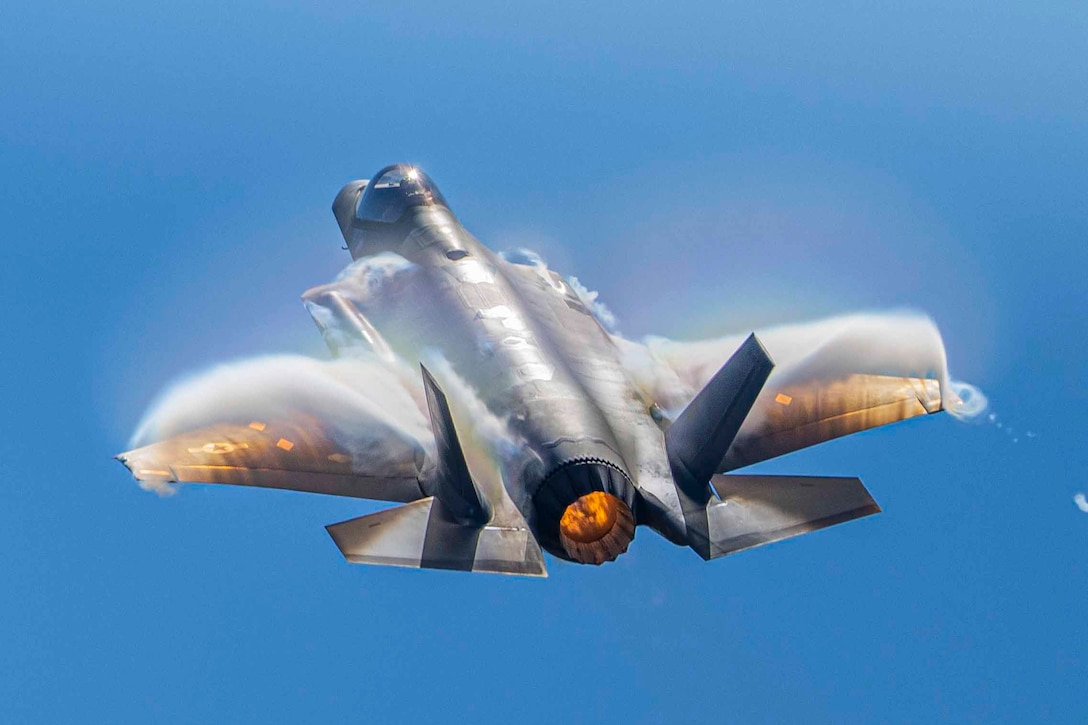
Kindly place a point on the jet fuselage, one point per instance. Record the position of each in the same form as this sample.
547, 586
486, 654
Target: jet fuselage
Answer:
536, 357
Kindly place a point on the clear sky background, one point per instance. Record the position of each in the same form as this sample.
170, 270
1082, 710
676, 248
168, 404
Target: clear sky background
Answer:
166, 172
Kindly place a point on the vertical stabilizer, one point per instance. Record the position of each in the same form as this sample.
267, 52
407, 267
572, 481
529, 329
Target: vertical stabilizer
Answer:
698, 440
454, 485
700, 437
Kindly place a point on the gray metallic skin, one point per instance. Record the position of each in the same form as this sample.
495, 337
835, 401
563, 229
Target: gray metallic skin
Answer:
544, 407
531, 351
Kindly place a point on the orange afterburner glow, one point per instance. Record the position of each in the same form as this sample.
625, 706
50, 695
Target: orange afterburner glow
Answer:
590, 517
596, 528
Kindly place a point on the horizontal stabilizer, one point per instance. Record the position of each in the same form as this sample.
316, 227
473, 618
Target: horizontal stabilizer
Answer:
756, 510
423, 535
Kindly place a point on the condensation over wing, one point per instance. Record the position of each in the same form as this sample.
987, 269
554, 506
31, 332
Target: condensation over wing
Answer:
344, 428
832, 378
385, 292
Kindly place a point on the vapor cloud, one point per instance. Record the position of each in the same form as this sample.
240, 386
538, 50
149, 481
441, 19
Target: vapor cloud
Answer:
365, 278
161, 488
970, 402
342, 392
899, 344
588, 297
359, 405
1081, 502
372, 404
490, 427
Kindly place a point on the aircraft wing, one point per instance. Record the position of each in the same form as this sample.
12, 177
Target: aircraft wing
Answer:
831, 378
796, 414
338, 428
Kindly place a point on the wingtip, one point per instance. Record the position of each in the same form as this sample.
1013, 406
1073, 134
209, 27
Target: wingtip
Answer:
152, 474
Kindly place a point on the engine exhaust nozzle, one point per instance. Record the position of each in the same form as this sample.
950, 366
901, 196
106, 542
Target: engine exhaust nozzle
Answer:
596, 528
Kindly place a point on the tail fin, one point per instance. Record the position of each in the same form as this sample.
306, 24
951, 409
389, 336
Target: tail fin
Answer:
421, 535
698, 440
455, 488
756, 510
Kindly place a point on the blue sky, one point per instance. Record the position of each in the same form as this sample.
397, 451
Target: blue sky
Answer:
166, 173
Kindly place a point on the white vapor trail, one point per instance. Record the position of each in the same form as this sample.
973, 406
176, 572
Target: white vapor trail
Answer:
359, 404
590, 299
341, 392
899, 344
490, 427
372, 405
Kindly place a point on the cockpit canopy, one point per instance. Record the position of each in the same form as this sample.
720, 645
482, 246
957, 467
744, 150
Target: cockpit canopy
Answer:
395, 189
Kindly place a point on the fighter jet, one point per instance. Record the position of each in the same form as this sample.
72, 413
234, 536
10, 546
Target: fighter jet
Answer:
556, 434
